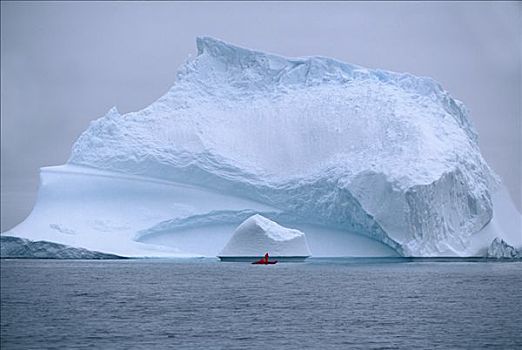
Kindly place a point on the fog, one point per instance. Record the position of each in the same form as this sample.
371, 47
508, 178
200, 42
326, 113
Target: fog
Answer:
64, 64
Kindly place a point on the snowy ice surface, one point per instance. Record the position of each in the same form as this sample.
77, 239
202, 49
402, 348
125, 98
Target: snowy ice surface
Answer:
258, 235
367, 162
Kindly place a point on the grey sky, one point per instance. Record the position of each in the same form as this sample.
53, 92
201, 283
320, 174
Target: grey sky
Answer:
64, 64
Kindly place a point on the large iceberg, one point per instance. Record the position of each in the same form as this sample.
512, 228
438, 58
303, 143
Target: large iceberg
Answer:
367, 162
257, 235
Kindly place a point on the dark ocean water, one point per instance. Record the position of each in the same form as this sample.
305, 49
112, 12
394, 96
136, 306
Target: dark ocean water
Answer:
320, 304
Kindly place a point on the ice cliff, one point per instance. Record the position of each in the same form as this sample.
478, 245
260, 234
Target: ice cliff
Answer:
368, 162
258, 235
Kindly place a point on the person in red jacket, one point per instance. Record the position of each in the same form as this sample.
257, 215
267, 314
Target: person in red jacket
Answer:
266, 258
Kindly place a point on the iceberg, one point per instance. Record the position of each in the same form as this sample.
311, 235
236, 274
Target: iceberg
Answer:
365, 161
18, 248
501, 250
257, 235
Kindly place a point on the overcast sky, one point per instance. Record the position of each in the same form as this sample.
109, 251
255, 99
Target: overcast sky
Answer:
64, 64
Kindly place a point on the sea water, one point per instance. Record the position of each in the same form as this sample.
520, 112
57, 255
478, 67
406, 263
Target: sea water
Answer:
203, 303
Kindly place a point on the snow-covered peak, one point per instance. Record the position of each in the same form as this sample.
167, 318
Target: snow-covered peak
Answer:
270, 228
265, 70
269, 68
258, 235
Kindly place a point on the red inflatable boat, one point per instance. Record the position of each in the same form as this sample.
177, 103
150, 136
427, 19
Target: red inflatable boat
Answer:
264, 261
261, 262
